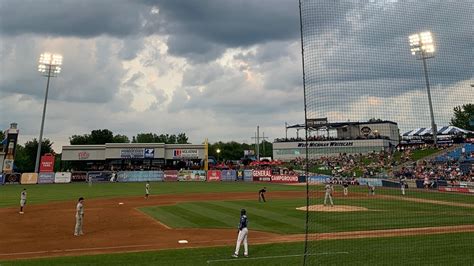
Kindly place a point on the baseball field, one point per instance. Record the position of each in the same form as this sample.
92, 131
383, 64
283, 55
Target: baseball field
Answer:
123, 228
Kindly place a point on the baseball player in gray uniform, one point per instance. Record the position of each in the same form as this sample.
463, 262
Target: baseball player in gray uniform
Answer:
402, 186
328, 195
79, 217
243, 233
22, 200
147, 189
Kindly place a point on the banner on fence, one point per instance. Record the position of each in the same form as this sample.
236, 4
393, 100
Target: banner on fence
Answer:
29, 178
248, 175
195, 175
240, 175
456, 189
213, 175
170, 175
1, 179
318, 179
372, 181
140, 176
229, 175
262, 178
285, 178
102, 176
13, 178
262, 173
46, 178
62, 177
78, 176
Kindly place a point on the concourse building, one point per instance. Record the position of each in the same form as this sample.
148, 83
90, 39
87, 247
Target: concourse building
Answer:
332, 139
132, 156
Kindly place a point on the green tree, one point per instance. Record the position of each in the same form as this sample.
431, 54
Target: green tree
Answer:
120, 139
25, 157
101, 136
182, 138
463, 117
79, 139
146, 138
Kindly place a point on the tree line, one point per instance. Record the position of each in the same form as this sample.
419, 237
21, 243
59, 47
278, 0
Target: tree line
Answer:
102, 136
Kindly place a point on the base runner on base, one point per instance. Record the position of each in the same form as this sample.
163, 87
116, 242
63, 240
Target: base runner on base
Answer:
243, 233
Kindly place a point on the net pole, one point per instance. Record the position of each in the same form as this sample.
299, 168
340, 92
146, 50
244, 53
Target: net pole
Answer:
306, 139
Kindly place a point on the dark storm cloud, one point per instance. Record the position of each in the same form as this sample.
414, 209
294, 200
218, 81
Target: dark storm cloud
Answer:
201, 30
84, 18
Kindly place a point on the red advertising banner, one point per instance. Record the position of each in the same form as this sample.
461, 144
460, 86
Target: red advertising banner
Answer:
285, 179
456, 189
47, 163
262, 173
262, 179
213, 175
170, 175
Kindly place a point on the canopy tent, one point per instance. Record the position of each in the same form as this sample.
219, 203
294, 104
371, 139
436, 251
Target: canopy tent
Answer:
447, 130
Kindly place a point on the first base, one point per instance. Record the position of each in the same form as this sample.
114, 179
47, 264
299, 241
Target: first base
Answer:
183, 241
120, 203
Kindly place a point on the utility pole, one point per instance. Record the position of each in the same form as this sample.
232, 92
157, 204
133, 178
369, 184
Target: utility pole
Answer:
286, 131
263, 142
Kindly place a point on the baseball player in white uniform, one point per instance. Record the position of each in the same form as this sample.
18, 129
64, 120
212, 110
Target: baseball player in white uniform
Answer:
402, 186
329, 189
79, 217
243, 233
371, 189
22, 200
147, 189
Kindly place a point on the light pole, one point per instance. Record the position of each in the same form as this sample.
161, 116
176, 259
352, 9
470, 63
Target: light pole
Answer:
218, 152
49, 66
421, 45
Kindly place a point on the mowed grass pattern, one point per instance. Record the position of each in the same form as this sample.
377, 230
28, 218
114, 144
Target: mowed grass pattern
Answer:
445, 249
281, 216
37, 194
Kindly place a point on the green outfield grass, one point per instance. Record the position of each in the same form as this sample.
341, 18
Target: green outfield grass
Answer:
281, 216
446, 249
10, 194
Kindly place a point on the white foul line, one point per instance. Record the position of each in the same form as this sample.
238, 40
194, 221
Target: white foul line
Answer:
72, 249
282, 256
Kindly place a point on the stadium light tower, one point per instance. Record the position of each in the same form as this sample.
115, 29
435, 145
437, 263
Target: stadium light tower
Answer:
218, 153
49, 66
422, 46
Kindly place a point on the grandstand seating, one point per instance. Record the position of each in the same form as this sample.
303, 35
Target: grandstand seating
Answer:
456, 154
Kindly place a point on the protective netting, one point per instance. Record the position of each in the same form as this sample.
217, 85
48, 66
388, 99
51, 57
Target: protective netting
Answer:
364, 89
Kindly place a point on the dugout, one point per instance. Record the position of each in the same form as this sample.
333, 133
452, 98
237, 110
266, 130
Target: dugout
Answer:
132, 156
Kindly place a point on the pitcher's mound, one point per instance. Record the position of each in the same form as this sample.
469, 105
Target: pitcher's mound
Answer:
335, 208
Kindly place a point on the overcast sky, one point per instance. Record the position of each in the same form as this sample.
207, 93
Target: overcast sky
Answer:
218, 68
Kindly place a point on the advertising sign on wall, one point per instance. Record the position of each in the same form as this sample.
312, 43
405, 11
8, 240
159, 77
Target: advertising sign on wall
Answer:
195, 175
262, 173
317, 179
1, 179
13, 178
248, 175
62, 177
79, 176
29, 178
185, 154
229, 175
149, 153
372, 181
103, 176
170, 175
285, 178
46, 178
140, 176
132, 153
213, 175
47, 163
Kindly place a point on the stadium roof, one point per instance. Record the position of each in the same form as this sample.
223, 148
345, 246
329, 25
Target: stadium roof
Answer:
447, 130
340, 124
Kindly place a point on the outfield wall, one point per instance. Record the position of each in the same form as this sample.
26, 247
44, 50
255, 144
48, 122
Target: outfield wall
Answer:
152, 176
